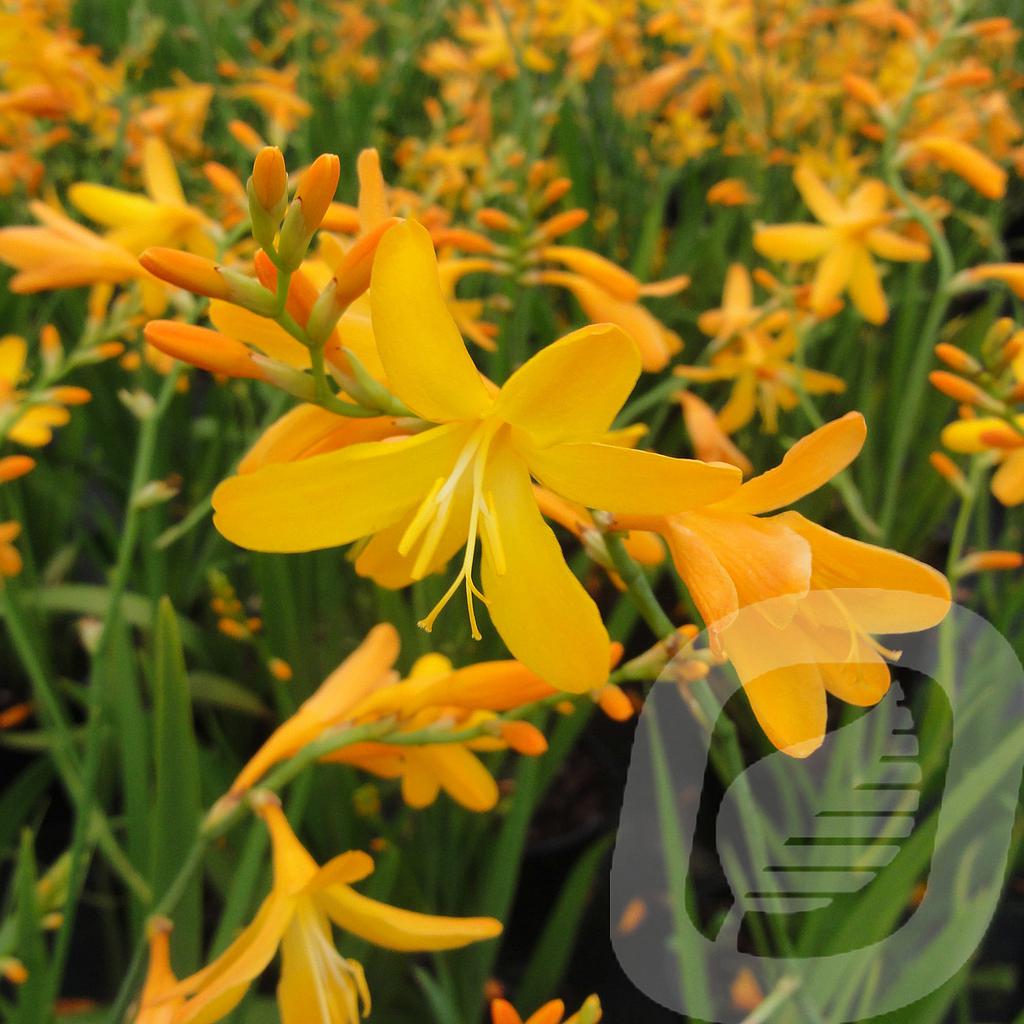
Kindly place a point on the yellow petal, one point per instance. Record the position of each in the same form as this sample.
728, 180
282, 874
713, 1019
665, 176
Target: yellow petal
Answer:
861, 682
333, 499
159, 173
966, 435
891, 246
881, 591
401, 930
573, 388
460, 774
13, 350
789, 704
34, 427
317, 985
546, 618
260, 332
110, 207
367, 669
420, 786
739, 410
866, 290
738, 295
309, 430
420, 347
710, 586
809, 464
628, 480
381, 561
816, 195
345, 869
763, 558
1008, 481
220, 985
796, 243
866, 201
832, 276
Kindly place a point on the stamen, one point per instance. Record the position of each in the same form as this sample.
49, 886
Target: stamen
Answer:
420, 521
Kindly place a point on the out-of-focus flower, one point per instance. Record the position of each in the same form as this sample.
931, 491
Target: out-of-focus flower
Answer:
553, 1012
160, 977
844, 244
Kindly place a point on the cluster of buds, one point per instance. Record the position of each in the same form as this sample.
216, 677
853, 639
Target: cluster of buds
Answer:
990, 382
279, 291
234, 622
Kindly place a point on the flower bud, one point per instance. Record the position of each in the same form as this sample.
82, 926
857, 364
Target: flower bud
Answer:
199, 346
562, 224
270, 180
185, 270
524, 738
312, 199
957, 359
961, 390
14, 466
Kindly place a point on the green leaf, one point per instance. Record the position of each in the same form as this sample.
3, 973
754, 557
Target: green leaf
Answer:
211, 688
28, 945
558, 939
177, 802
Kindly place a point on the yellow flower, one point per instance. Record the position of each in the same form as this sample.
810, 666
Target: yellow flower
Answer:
10, 557
366, 689
423, 497
317, 984
160, 978
844, 244
989, 433
731, 558
503, 1012
32, 426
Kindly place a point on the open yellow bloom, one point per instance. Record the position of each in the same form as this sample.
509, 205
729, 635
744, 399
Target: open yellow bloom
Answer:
989, 433
317, 984
32, 426
844, 244
731, 558
422, 498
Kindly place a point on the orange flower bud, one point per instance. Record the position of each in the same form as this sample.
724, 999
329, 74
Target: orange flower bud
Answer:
49, 340
555, 190
729, 192
980, 172
745, 992
233, 628
496, 220
14, 716
1011, 274
13, 970
967, 76
247, 137
185, 270
14, 466
562, 223
109, 349
947, 469
312, 199
280, 669
614, 702
269, 178
223, 179
632, 916
957, 359
862, 90
986, 561
524, 738
70, 395
958, 389
468, 241
1002, 437
352, 277
990, 28
204, 348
